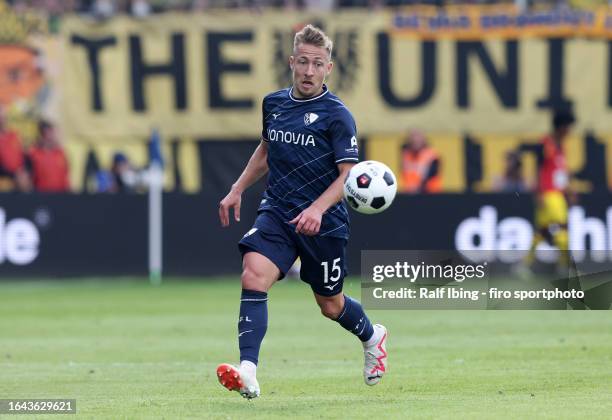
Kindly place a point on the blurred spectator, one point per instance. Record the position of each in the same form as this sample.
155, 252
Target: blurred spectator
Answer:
319, 5
140, 8
420, 166
104, 182
103, 9
12, 171
47, 162
512, 179
352, 3
123, 177
200, 5
126, 178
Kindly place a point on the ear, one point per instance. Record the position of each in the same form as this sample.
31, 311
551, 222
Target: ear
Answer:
291, 61
330, 66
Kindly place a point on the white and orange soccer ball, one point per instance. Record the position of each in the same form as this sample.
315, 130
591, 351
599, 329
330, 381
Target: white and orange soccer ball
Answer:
370, 187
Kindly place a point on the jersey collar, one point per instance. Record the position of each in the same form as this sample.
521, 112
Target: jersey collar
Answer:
293, 98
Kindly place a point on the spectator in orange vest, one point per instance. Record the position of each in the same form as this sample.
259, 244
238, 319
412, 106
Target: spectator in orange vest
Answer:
47, 161
420, 166
12, 171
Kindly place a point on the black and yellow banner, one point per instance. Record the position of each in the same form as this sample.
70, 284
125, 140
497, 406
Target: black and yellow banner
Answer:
488, 74
204, 76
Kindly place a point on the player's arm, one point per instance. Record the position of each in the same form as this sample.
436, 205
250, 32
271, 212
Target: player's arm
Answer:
308, 221
254, 170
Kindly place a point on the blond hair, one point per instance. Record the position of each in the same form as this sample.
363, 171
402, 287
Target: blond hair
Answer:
311, 35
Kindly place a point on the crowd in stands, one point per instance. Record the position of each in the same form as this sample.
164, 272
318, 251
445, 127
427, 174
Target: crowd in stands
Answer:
42, 167
142, 8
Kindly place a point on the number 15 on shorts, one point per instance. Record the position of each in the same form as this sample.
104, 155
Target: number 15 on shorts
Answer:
336, 271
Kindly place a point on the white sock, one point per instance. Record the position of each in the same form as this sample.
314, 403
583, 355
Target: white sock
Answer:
372, 339
248, 367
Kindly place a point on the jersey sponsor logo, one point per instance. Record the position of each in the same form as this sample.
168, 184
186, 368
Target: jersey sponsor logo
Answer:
290, 137
309, 118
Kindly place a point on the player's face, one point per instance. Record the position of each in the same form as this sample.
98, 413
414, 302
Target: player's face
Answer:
310, 66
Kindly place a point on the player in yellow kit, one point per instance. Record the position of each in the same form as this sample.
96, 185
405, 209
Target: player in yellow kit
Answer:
552, 194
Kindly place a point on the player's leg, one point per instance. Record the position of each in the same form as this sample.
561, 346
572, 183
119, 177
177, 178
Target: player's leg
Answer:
258, 276
538, 237
267, 256
551, 226
558, 230
561, 241
324, 268
349, 313
541, 221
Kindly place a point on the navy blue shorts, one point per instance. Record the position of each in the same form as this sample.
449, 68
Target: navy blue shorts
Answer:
323, 258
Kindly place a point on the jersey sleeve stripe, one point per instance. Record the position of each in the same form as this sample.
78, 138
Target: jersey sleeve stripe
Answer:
351, 159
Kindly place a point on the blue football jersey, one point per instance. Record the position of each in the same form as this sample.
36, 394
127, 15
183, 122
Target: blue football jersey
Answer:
307, 138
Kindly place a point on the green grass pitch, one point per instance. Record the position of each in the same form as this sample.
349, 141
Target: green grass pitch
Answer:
125, 349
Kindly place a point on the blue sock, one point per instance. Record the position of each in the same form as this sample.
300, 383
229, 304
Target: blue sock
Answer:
354, 319
252, 324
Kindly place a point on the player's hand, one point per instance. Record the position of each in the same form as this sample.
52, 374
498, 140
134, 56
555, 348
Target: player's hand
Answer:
308, 221
231, 201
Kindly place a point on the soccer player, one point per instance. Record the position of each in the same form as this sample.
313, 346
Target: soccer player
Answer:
309, 144
553, 194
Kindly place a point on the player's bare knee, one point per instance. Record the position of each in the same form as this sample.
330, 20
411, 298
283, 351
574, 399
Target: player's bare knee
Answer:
330, 309
252, 280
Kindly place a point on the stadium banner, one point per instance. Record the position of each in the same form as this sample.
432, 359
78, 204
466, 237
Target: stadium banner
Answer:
204, 76
104, 234
502, 20
30, 63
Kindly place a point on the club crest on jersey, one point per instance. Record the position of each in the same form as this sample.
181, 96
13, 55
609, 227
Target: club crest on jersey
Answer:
310, 117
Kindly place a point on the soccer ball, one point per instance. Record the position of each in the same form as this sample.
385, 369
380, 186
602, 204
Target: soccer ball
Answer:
370, 187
